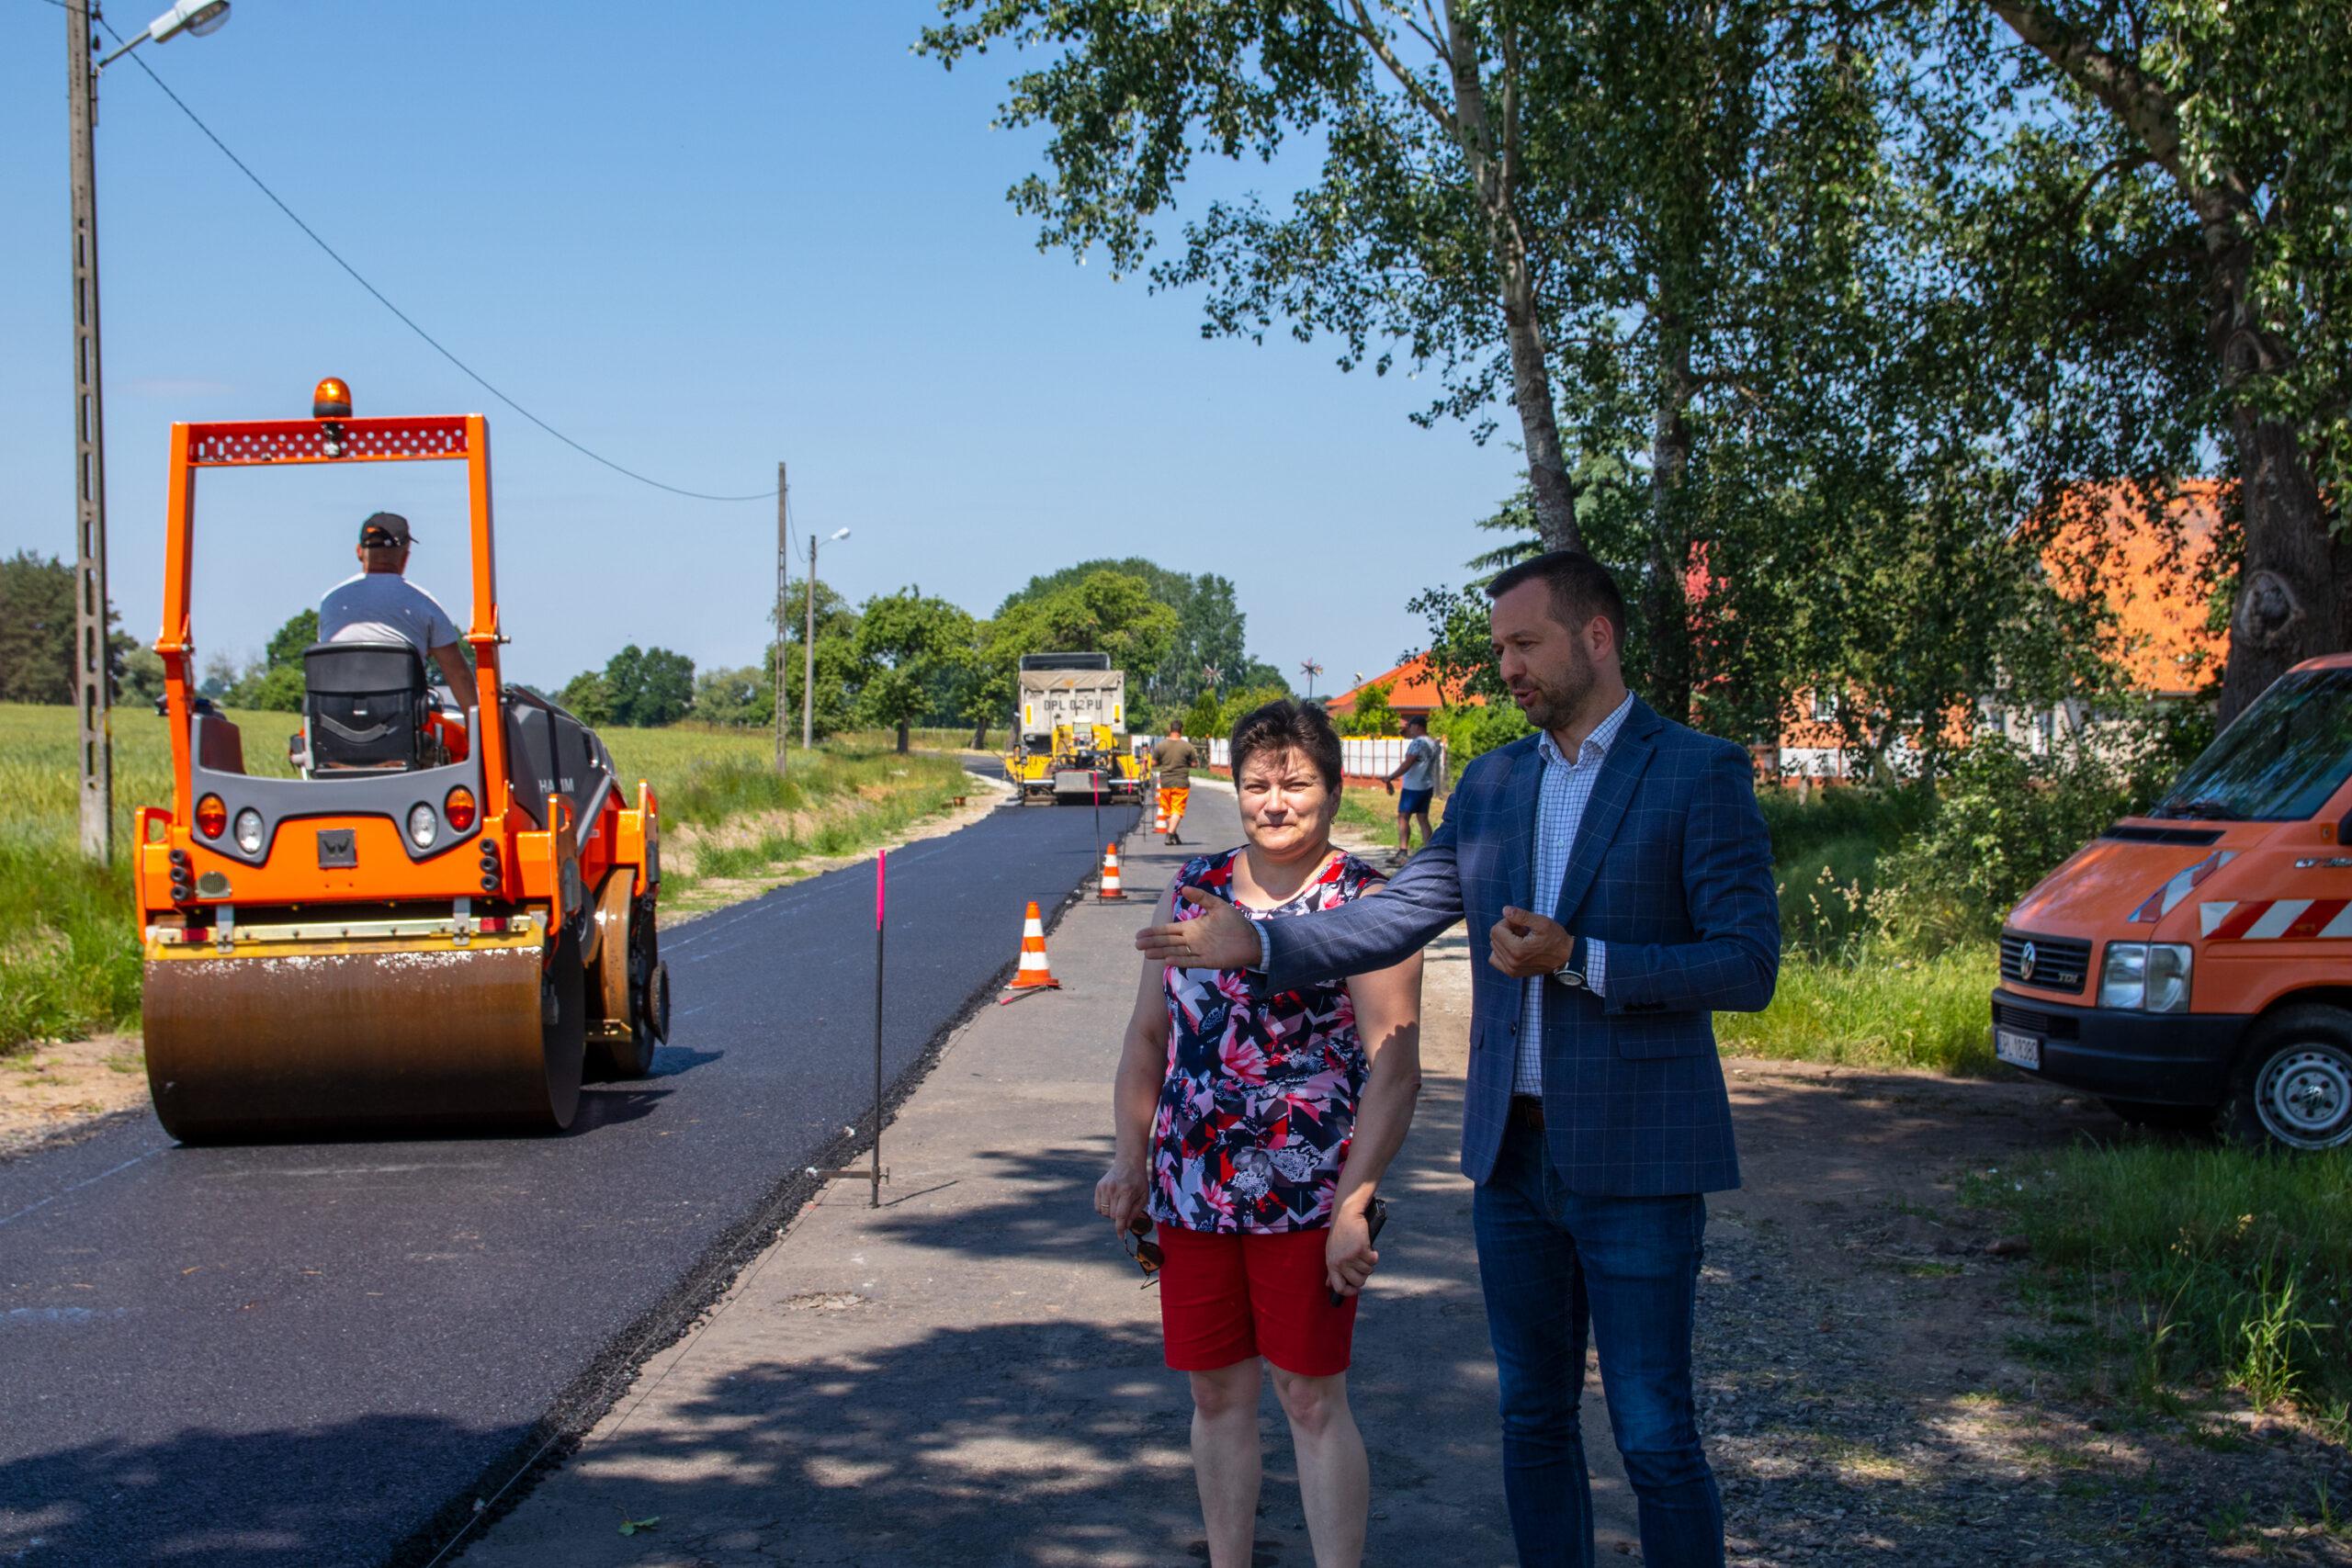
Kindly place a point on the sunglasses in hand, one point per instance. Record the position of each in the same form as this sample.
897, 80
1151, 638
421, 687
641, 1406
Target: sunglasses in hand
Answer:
1136, 1239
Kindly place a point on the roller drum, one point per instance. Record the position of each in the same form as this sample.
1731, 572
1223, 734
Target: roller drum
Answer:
384, 1040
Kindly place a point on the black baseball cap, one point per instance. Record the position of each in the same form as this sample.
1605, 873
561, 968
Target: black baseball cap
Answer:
384, 528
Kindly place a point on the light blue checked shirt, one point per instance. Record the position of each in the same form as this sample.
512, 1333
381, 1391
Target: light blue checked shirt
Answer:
1559, 811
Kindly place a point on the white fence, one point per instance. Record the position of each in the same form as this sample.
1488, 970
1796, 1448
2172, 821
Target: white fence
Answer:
1372, 757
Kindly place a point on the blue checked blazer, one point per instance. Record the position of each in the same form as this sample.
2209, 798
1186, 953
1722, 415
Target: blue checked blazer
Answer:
1672, 868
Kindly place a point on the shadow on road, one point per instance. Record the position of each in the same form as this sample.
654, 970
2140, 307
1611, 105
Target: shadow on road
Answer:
111, 1504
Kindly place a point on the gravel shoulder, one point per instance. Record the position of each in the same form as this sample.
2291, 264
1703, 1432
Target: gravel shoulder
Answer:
1871, 1389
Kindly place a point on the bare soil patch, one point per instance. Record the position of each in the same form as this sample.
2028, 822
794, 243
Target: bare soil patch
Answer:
1872, 1385
53, 1087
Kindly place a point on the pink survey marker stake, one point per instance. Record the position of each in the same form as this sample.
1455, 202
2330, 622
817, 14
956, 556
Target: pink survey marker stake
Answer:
881, 861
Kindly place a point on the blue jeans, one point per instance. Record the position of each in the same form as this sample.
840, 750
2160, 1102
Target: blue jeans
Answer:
1555, 1263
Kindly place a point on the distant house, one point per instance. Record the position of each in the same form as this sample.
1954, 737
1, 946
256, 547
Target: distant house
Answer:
2151, 579
1413, 691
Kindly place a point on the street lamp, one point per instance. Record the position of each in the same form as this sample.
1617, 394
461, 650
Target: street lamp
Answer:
92, 701
809, 646
194, 17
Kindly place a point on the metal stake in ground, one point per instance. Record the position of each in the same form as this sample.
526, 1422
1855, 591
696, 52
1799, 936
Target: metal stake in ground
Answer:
875, 1173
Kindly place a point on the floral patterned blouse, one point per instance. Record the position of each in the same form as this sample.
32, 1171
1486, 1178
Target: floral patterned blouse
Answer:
1259, 1104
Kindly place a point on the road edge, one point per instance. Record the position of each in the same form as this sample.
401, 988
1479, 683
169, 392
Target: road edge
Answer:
502, 1484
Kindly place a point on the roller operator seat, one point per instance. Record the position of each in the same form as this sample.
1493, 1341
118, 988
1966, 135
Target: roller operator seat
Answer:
365, 704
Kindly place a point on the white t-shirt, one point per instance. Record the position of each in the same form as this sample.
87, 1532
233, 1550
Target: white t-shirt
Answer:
384, 606
1422, 752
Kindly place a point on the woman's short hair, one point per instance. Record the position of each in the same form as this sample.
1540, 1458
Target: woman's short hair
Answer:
1286, 726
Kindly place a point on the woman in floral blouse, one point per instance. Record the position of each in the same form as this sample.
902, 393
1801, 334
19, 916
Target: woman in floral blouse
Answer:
1255, 1129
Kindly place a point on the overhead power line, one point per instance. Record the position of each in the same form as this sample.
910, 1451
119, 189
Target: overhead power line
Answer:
405, 319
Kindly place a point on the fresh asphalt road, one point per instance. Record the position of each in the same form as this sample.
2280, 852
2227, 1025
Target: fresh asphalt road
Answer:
300, 1353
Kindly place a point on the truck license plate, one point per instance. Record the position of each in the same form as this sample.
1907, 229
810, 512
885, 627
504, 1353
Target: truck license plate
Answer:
2017, 1050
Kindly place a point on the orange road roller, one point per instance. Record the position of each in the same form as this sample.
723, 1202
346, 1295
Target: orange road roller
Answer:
444, 922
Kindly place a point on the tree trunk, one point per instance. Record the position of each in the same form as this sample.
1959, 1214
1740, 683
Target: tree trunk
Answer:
2290, 601
1493, 166
980, 735
902, 738
1664, 602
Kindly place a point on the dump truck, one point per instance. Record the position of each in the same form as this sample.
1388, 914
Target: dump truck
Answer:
444, 921
1069, 733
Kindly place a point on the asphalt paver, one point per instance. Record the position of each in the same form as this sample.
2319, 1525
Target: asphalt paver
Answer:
320, 1354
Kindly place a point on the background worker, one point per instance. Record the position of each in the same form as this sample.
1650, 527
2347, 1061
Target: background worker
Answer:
380, 604
1419, 774
1175, 758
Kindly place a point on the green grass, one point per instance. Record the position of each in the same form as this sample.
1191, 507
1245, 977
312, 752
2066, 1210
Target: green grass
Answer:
69, 962
1872, 1008
68, 953
828, 803
1372, 811
2195, 1264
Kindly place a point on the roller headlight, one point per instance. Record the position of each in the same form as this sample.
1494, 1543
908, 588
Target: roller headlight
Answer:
423, 826
249, 830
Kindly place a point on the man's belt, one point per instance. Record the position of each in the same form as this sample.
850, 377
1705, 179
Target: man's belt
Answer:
1527, 1110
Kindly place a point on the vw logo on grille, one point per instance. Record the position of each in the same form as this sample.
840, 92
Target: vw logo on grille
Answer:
2026, 958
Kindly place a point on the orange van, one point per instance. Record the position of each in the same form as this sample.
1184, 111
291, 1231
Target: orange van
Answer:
2194, 964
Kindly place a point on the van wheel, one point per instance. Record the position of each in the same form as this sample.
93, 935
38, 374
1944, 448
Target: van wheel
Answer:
2294, 1085
2177, 1118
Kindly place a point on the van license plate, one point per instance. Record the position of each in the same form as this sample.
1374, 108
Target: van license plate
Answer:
2017, 1050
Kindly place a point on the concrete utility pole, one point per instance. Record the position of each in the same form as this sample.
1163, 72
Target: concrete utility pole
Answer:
92, 699
809, 646
783, 578
93, 660
809, 651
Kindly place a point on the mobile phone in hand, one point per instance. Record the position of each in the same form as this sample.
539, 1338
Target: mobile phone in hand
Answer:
1375, 1218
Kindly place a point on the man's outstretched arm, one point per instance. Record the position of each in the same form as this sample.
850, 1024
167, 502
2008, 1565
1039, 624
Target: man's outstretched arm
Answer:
1355, 938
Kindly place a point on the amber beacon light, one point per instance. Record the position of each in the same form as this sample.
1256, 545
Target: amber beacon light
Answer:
332, 400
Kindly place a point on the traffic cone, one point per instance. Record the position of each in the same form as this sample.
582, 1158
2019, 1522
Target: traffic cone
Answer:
1033, 975
1112, 891
1159, 822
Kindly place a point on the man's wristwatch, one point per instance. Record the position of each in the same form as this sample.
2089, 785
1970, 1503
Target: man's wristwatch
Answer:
1571, 974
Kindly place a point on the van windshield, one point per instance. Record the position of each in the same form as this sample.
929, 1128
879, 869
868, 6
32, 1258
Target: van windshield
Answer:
2279, 761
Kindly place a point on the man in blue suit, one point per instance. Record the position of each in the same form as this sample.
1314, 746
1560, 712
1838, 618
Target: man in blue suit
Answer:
1617, 880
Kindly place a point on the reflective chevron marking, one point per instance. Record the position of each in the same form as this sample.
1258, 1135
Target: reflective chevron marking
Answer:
2272, 920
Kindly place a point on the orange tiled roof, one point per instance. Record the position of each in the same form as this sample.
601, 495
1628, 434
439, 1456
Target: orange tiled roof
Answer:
2151, 577
1413, 688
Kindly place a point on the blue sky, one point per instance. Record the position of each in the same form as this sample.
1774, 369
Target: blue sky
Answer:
697, 239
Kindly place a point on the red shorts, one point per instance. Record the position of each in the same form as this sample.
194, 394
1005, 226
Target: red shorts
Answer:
1225, 1298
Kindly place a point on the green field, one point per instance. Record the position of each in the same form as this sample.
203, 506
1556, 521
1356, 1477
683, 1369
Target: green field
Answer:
69, 954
